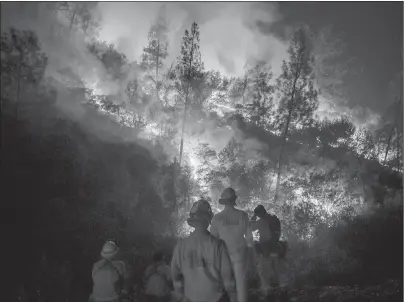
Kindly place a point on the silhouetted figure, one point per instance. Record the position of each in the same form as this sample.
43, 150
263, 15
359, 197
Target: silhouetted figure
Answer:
158, 280
231, 225
268, 249
111, 277
201, 267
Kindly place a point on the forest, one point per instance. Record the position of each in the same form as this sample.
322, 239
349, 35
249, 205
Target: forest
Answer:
96, 147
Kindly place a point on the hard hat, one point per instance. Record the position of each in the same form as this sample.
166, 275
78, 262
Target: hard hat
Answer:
109, 250
200, 211
228, 196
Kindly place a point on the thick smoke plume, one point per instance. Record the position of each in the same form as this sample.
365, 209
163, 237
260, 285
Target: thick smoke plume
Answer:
230, 38
229, 31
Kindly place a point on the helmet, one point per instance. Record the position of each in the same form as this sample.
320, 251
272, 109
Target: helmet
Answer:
109, 250
228, 196
200, 211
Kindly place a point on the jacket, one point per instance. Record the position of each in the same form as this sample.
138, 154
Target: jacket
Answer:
269, 228
157, 280
108, 277
201, 268
232, 226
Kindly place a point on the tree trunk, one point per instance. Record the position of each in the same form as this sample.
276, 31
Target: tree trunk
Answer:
285, 134
182, 136
157, 70
186, 101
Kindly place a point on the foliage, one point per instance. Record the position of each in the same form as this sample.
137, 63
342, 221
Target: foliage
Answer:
259, 90
114, 173
354, 251
79, 16
189, 68
298, 98
22, 63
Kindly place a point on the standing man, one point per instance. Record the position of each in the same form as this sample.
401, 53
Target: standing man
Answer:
268, 248
201, 267
111, 277
232, 226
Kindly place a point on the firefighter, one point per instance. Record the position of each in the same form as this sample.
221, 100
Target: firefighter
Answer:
232, 226
111, 277
269, 249
200, 266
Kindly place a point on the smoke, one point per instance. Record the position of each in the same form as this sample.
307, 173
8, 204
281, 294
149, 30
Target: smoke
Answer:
358, 115
229, 34
230, 37
70, 64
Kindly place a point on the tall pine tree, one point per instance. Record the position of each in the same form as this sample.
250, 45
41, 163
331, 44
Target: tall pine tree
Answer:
298, 98
155, 52
189, 72
260, 94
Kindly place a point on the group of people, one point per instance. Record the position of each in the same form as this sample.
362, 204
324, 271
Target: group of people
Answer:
207, 265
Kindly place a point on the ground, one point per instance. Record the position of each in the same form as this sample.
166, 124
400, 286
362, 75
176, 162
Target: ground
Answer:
389, 292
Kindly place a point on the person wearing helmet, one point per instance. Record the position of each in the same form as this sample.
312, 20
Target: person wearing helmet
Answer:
269, 249
110, 276
201, 267
232, 226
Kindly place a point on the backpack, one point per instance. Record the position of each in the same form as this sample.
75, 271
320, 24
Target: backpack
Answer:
160, 281
274, 245
274, 225
108, 268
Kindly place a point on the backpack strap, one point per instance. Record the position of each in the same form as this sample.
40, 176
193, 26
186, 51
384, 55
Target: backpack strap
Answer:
120, 276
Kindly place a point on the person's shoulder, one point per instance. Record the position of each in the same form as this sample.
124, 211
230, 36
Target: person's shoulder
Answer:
98, 264
242, 213
119, 264
218, 215
273, 216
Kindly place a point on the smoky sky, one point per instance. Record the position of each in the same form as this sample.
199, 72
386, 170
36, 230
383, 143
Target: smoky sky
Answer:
228, 31
373, 34
235, 33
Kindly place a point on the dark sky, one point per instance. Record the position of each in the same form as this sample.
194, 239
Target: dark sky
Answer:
373, 32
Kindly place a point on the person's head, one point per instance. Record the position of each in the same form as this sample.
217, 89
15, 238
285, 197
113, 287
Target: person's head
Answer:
228, 197
158, 257
260, 211
200, 215
109, 250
